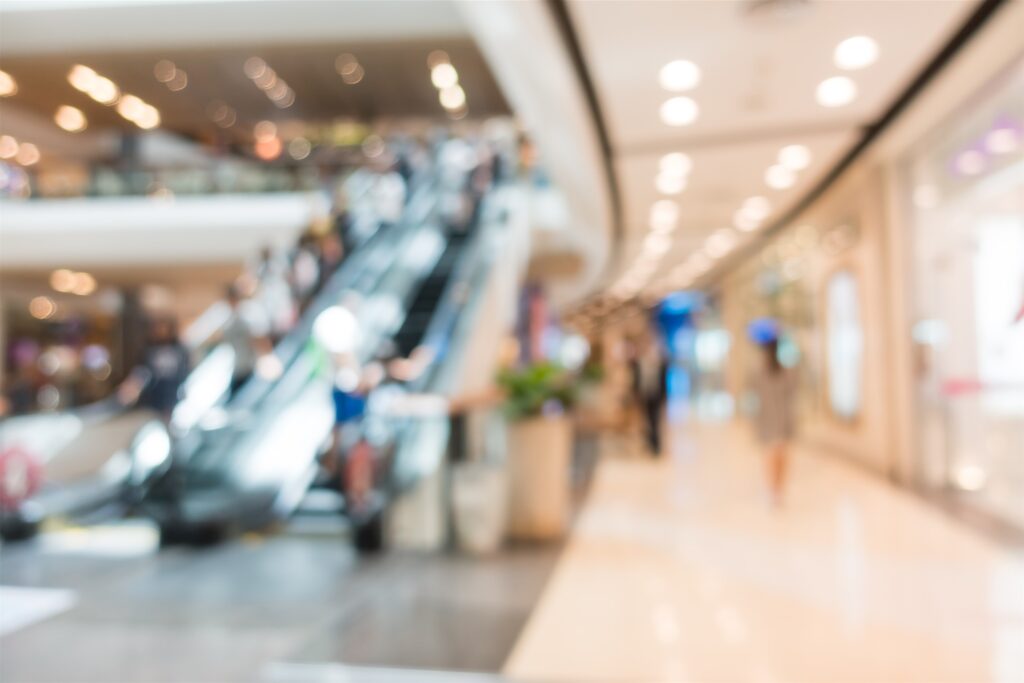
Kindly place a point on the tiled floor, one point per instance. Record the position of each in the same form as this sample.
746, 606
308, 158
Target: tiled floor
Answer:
679, 570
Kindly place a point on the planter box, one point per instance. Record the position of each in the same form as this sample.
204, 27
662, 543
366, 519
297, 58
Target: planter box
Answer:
539, 463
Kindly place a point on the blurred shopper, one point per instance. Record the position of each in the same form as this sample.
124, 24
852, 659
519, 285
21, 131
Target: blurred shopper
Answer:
271, 272
775, 388
332, 253
165, 365
242, 333
649, 387
388, 197
305, 268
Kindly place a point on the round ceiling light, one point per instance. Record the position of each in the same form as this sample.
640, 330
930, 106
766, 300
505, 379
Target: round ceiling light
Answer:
757, 207
795, 157
675, 163
664, 213
669, 183
778, 177
679, 111
70, 119
836, 91
679, 75
855, 53
444, 76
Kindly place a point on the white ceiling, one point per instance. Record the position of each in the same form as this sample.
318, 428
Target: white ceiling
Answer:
756, 95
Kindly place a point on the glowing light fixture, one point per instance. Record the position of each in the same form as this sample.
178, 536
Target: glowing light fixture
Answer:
778, 177
757, 207
444, 75
837, 91
28, 154
8, 86
265, 130
675, 162
667, 183
82, 78
795, 157
164, 71
1002, 141
42, 307
70, 119
679, 75
856, 52
679, 111
453, 97
254, 68
664, 214
8, 147
62, 280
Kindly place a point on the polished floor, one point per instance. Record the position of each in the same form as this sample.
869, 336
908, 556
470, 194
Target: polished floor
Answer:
680, 570
103, 605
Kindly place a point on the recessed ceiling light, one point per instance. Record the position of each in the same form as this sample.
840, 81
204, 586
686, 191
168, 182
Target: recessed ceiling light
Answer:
81, 77
8, 86
28, 154
444, 75
795, 157
1002, 140
437, 57
164, 70
657, 243
679, 111
757, 207
855, 53
971, 162
664, 213
265, 130
8, 147
149, 118
70, 119
453, 97
675, 163
836, 91
720, 243
669, 183
778, 177
679, 75
254, 67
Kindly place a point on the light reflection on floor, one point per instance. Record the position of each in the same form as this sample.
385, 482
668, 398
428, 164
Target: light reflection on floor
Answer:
680, 570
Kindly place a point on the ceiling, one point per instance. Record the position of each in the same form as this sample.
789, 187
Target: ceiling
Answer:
760, 64
396, 84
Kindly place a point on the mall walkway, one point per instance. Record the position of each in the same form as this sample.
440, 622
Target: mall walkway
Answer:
678, 570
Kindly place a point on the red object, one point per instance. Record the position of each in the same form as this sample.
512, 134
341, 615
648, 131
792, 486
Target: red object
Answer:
962, 385
21, 475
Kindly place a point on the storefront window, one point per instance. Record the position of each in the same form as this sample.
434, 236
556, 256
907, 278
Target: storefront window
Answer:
845, 340
967, 191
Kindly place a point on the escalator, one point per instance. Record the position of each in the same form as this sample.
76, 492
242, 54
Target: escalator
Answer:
252, 462
255, 465
424, 305
102, 458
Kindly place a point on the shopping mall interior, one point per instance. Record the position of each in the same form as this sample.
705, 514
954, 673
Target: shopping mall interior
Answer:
539, 341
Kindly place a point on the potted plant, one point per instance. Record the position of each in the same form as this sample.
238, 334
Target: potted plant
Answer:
540, 439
